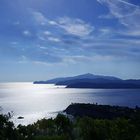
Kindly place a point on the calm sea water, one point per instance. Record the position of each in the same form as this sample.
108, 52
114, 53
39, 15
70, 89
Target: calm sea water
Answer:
34, 102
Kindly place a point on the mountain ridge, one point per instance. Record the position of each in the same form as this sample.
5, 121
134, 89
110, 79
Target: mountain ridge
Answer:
83, 76
93, 81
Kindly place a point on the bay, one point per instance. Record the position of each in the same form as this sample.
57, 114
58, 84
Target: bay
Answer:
36, 101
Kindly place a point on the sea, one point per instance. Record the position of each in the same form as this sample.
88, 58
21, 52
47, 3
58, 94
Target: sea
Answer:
37, 101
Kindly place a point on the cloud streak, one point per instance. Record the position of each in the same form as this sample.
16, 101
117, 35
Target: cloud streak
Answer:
127, 14
39, 17
26, 33
78, 39
75, 27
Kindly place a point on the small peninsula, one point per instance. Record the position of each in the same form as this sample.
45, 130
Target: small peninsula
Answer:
101, 111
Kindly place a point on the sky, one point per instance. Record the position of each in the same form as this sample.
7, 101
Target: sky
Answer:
43, 39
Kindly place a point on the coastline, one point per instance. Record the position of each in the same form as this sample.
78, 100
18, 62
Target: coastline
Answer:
80, 127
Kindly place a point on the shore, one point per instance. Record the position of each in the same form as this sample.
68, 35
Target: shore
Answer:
91, 121
101, 111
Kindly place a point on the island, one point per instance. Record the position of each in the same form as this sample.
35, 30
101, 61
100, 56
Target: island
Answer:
94, 81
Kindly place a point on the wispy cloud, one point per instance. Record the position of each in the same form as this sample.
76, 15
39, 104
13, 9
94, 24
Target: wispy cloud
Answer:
54, 39
67, 39
47, 33
82, 58
75, 27
127, 14
51, 22
26, 33
68, 27
39, 17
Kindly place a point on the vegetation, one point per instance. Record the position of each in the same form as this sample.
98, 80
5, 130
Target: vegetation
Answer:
79, 128
101, 111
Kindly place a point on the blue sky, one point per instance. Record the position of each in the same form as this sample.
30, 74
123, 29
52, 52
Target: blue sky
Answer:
42, 39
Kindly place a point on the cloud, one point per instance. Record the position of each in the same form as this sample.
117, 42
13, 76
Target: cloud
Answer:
39, 17
66, 39
68, 30
127, 14
54, 39
107, 16
47, 33
105, 32
26, 33
76, 27
51, 22
83, 58
46, 57
73, 26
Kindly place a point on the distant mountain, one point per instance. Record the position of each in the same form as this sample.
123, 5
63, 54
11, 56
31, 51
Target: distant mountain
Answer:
62, 80
93, 81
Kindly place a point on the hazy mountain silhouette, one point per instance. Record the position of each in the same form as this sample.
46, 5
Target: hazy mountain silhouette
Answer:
93, 81
79, 77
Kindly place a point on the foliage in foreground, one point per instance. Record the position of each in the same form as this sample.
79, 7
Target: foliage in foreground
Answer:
61, 128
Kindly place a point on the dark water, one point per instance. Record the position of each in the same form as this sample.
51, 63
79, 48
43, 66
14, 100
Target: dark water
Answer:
38, 101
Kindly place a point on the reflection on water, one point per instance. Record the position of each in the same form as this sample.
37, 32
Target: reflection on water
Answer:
38, 101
